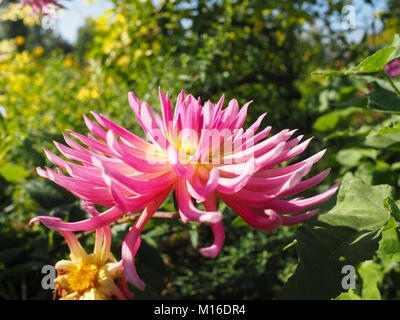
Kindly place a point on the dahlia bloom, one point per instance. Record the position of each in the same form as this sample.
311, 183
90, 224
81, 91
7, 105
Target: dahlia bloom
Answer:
95, 276
393, 68
200, 152
40, 6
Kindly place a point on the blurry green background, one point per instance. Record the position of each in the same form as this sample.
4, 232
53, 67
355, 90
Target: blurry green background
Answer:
261, 50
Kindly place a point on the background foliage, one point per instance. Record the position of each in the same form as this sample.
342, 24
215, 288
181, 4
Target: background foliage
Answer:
261, 50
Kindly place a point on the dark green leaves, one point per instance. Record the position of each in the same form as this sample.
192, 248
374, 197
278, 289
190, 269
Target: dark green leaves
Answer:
347, 234
48, 194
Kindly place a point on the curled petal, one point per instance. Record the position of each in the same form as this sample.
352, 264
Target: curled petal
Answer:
199, 191
131, 243
188, 211
93, 223
217, 229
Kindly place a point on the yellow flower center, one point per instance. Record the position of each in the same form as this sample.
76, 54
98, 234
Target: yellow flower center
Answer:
83, 277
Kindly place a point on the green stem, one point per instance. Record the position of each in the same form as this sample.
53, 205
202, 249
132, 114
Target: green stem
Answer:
391, 83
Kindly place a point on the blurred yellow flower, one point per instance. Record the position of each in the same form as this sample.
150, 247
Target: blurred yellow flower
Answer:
19, 40
281, 37
7, 47
68, 62
137, 54
14, 12
123, 61
94, 94
83, 94
38, 51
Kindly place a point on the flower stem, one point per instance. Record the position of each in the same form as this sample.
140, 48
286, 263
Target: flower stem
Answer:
385, 75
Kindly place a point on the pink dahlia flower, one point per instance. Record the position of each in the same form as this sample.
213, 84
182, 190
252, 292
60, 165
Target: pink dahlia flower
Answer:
393, 68
201, 152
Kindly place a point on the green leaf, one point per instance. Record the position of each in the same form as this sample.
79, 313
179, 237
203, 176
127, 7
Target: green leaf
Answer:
389, 245
396, 52
48, 194
329, 121
351, 157
12, 172
349, 295
361, 132
374, 63
349, 233
371, 274
392, 208
382, 99
393, 127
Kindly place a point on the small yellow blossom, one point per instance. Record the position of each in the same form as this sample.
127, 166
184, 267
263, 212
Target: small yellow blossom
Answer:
83, 94
68, 62
38, 51
95, 276
19, 40
94, 94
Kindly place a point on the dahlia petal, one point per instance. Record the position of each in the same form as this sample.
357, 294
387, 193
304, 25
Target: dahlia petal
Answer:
219, 238
74, 245
131, 243
241, 117
188, 211
289, 154
95, 128
130, 246
199, 191
217, 108
262, 134
154, 133
91, 143
217, 229
275, 172
126, 203
181, 171
271, 184
123, 133
233, 185
179, 104
254, 127
74, 145
293, 220
306, 184
296, 205
88, 173
294, 142
252, 198
208, 115
93, 223
121, 151
139, 186
165, 108
260, 148
81, 188
229, 114
83, 157
268, 222
293, 180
